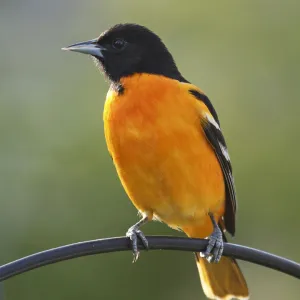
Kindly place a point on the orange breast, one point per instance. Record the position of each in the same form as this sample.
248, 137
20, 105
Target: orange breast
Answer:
161, 154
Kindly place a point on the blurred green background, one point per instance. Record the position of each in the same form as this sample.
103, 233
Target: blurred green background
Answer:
57, 181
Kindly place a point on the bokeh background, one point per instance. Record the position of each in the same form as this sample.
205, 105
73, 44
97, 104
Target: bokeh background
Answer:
57, 181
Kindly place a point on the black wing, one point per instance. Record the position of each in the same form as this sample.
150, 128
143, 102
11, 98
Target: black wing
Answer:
211, 127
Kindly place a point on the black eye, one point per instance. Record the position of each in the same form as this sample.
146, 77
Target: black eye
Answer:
118, 44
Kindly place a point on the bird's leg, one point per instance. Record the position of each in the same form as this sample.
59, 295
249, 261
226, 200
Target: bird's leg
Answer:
134, 233
215, 246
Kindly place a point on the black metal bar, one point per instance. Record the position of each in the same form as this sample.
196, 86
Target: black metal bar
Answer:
155, 242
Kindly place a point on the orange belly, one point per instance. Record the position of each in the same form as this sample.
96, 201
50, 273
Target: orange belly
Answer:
161, 154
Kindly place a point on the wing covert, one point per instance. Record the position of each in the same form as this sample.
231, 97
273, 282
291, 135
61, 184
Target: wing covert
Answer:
211, 126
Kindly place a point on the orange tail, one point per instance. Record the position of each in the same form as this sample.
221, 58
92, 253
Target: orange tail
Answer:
222, 281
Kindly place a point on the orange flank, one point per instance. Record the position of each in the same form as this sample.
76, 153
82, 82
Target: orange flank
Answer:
164, 161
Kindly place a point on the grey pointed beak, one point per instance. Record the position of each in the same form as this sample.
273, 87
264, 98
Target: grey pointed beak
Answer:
89, 47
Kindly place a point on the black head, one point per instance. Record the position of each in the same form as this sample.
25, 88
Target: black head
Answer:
127, 49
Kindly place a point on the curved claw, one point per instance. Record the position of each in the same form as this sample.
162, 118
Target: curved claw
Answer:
214, 250
134, 233
218, 251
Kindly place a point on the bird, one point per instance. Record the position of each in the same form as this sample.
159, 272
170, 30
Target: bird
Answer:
165, 140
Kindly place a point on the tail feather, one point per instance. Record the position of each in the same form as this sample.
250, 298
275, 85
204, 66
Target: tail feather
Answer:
222, 281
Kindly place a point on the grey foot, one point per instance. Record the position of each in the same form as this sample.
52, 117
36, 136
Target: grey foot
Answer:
214, 250
134, 233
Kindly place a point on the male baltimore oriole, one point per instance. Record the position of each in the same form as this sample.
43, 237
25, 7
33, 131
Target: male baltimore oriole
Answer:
168, 149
